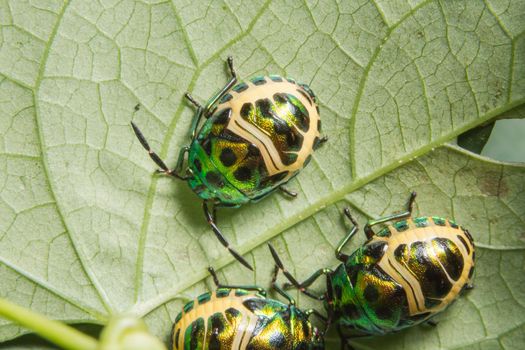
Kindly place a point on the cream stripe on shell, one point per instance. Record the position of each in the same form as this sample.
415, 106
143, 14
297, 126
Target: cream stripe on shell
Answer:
416, 299
243, 331
257, 137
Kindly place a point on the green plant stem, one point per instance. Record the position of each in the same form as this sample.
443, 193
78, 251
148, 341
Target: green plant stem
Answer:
56, 332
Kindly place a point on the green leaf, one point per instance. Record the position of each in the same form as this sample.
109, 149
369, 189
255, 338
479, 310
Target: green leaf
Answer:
87, 230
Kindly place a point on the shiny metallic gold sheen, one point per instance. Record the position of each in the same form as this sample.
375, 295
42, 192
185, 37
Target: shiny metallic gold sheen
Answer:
248, 321
422, 270
260, 131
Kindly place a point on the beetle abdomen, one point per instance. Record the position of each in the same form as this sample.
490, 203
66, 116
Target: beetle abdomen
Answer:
217, 320
432, 258
403, 275
234, 319
277, 119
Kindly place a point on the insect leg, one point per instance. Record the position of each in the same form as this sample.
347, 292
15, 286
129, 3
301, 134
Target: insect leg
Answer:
321, 142
368, 227
196, 117
292, 194
154, 156
301, 286
278, 288
225, 89
257, 289
221, 238
341, 256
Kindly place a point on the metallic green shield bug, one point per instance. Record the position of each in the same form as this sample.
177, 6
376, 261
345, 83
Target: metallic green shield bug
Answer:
242, 317
401, 276
257, 135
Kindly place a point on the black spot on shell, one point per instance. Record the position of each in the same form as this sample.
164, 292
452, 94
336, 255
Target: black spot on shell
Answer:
243, 173
197, 164
255, 304
384, 312
231, 313
253, 151
276, 78
214, 342
290, 159
228, 157
214, 179
400, 252
305, 328
376, 249
351, 311
436, 283
282, 128
197, 333
371, 294
223, 117
246, 110
453, 260
279, 98
264, 105
217, 322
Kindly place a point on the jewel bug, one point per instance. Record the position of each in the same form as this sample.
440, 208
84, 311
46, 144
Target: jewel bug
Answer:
244, 318
257, 135
403, 275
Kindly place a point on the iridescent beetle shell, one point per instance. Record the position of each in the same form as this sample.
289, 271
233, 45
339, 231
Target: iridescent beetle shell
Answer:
239, 319
404, 275
258, 136
401, 276
255, 137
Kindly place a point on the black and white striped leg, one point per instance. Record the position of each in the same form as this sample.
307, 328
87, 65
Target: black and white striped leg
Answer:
213, 274
288, 192
221, 238
291, 278
154, 156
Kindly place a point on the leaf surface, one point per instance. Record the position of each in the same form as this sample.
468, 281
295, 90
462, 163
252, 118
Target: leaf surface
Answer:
87, 229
